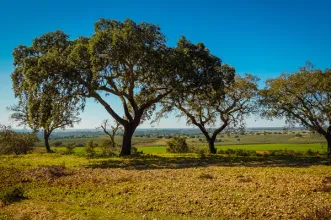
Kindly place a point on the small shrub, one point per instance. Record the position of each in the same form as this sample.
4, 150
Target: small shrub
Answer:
108, 148
70, 149
11, 194
57, 143
245, 153
238, 152
177, 145
90, 149
135, 151
15, 143
105, 146
290, 153
309, 152
298, 135
79, 145
201, 153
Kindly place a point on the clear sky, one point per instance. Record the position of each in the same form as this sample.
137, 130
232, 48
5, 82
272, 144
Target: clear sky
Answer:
261, 37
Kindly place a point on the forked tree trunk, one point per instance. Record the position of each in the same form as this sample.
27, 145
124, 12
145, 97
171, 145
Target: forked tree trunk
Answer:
127, 138
211, 144
46, 138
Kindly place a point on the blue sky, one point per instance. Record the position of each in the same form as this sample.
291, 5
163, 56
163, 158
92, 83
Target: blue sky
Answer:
261, 37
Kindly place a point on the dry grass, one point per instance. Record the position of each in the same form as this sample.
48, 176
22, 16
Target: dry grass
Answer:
202, 192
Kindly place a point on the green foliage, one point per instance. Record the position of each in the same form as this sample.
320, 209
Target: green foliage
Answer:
79, 145
310, 152
135, 151
43, 103
298, 135
303, 97
108, 148
57, 143
11, 194
238, 152
285, 152
221, 107
177, 144
90, 149
15, 143
70, 148
129, 61
202, 153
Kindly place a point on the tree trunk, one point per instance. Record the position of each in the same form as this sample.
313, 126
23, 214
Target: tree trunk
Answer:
211, 144
328, 138
46, 138
127, 137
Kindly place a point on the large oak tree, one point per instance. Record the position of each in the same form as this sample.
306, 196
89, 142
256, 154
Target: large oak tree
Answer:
125, 60
303, 97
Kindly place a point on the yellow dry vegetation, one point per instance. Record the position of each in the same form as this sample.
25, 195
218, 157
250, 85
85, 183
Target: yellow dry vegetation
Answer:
201, 192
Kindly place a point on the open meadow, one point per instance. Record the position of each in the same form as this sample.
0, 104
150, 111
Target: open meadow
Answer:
170, 186
161, 185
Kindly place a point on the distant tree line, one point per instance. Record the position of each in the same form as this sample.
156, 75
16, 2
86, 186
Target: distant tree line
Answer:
55, 76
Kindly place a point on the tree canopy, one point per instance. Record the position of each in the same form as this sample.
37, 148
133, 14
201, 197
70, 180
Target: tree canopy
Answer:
303, 97
217, 109
43, 102
128, 61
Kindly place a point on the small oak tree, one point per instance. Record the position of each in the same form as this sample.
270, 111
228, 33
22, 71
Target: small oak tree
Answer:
303, 97
218, 108
125, 60
43, 103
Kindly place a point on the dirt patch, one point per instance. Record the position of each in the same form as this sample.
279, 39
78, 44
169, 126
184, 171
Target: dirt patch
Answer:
46, 173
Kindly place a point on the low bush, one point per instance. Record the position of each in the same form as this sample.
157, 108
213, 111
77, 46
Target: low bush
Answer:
201, 152
177, 145
57, 143
108, 148
11, 194
90, 149
15, 143
310, 152
238, 152
285, 152
135, 151
70, 149
79, 145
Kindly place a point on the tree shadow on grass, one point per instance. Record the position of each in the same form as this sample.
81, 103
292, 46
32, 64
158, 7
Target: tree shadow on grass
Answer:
158, 162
